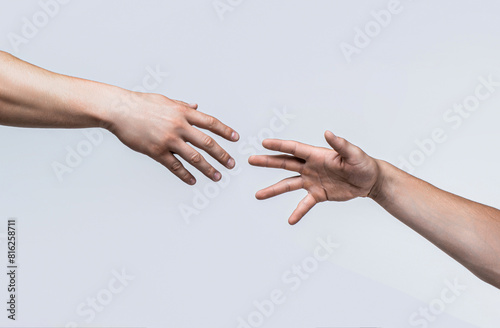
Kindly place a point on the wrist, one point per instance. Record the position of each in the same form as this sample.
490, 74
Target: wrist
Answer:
379, 188
117, 102
101, 103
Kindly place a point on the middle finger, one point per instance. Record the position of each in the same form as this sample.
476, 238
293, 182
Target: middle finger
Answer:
194, 158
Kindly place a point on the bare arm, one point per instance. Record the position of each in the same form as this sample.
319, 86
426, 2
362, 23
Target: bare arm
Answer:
467, 231
148, 123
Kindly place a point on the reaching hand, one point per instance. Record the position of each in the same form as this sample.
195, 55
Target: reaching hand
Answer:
162, 128
341, 174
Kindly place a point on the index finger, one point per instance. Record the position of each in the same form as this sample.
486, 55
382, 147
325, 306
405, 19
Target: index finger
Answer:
212, 124
294, 148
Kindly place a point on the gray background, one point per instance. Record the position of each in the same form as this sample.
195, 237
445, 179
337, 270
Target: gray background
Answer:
120, 210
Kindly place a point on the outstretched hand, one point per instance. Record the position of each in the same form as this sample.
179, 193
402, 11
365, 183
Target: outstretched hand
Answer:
162, 129
339, 174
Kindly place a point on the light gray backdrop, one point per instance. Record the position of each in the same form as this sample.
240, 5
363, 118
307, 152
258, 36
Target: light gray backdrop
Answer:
212, 255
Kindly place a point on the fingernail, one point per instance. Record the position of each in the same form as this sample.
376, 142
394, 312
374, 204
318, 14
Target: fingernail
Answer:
192, 181
230, 163
234, 136
217, 176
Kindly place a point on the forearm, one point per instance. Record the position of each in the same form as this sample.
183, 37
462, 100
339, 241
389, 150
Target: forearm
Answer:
466, 230
33, 97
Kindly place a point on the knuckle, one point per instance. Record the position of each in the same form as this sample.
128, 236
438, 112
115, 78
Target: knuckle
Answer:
211, 121
156, 150
168, 140
208, 142
178, 123
159, 98
195, 158
224, 157
178, 107
161, 146
342, 143
176, 166
210, 171
358, 152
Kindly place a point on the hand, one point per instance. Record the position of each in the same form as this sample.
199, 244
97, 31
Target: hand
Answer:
341, 174
161, 128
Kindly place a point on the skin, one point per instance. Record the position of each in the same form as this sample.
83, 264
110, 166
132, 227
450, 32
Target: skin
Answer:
152, 124
467, 231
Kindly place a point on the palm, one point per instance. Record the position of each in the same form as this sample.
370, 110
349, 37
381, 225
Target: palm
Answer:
335, 175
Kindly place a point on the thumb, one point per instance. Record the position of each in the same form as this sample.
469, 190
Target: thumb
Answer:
340, 145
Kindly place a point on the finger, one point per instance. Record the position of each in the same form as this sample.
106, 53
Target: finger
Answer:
176, 167
285, 185
192, 106
208, 144
340, 145
194, 158
212, 124
285, 162
304, 206
287, 146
